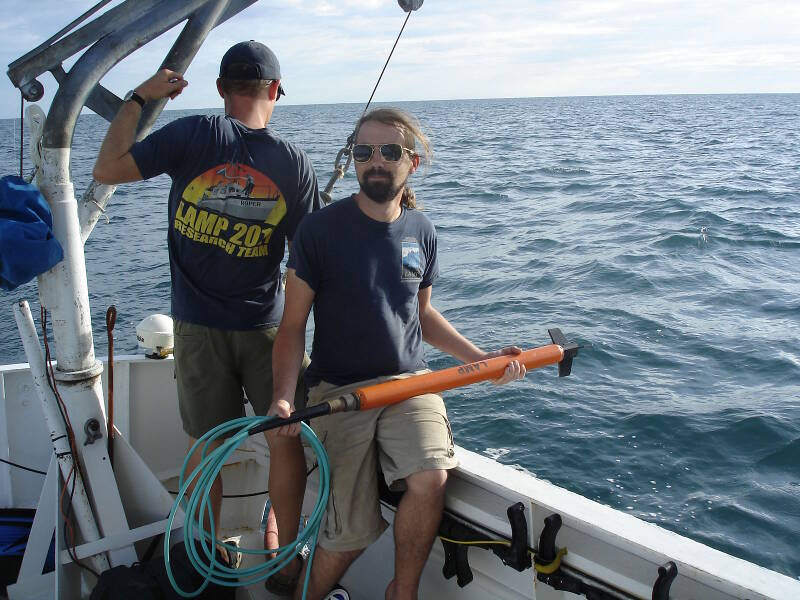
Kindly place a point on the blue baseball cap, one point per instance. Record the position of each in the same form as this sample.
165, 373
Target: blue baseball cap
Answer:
249, 61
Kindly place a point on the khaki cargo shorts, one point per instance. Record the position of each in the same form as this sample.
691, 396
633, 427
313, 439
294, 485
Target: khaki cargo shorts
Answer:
404, 438
215, 368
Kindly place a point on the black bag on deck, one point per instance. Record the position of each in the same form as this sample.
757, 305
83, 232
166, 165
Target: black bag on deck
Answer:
148, 580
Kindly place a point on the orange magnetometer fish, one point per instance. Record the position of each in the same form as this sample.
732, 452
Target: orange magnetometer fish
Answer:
560, 352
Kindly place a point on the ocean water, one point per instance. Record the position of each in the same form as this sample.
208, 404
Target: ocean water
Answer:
661, 232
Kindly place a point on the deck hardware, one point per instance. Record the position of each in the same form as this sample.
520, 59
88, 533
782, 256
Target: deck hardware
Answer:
547, 552
570, 581
666, 575
456, 560
92, 430
516, 555
547, 539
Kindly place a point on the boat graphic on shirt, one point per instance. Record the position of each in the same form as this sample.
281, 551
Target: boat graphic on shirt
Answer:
233, 207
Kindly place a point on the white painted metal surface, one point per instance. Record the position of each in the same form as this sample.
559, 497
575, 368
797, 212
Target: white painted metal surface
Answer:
49, 412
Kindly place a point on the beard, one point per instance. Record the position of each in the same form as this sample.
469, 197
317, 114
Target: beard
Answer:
380, 189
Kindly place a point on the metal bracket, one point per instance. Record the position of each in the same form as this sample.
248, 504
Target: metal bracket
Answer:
666, 575
92, 430
456, 555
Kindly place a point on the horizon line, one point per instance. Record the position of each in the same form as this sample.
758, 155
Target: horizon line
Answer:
621, 95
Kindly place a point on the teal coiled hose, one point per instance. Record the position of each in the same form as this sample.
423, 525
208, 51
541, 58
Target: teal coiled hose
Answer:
197, 508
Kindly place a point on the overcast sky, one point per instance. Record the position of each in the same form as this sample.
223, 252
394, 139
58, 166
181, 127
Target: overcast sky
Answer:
333, 50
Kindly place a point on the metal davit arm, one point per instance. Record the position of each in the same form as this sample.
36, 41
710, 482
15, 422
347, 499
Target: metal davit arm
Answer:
183, 51
107, 52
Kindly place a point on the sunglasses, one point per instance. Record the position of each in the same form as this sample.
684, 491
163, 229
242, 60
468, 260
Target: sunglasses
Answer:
392, 152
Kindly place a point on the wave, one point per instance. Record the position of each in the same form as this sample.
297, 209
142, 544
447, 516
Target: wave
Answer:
564, 171
784, 458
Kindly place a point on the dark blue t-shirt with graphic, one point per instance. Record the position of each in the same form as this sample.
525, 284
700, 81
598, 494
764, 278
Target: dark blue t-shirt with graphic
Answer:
237, 195
366, 276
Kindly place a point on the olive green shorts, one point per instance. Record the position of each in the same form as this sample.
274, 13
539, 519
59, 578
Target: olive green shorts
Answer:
404, 438
215, 368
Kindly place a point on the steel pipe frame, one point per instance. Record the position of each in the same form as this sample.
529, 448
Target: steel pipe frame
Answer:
63, 289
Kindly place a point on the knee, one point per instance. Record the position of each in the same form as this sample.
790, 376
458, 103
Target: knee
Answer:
427, 482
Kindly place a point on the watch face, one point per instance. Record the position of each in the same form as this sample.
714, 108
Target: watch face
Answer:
128, 96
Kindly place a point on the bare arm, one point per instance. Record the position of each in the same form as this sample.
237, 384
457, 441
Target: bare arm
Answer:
114, 162
287, 351
438, 332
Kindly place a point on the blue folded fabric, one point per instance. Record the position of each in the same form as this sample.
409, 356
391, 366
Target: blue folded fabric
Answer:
27, 244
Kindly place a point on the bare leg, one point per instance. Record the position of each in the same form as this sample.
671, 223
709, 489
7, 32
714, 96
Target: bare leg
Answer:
327, 569
415, 525
287, 485
216, 489
271, 533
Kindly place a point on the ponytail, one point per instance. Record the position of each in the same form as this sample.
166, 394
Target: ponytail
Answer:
409, 199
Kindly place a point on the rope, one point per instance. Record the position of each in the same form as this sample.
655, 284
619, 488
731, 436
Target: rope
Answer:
545, 569
338, 169
386, 64
197, 508
553, 566
23, 467
111, 319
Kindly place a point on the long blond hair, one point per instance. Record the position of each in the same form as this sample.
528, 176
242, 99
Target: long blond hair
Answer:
409, 126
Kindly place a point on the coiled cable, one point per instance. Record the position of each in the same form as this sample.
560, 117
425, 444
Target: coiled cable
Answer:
197, 508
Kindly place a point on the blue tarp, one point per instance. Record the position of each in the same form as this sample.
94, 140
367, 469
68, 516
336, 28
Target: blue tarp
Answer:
27, 244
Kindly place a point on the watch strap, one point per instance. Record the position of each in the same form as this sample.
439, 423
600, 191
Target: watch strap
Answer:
132, 95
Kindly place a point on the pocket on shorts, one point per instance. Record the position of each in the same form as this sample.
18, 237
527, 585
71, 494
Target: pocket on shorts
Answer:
333, 523
451, 449
184, 328
187, 337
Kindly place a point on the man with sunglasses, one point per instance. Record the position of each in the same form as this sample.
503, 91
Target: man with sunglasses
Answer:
238, 193
367, 264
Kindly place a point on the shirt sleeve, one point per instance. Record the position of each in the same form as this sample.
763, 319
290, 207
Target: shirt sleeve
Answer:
303, 255
161, 151
431, 260
308, 198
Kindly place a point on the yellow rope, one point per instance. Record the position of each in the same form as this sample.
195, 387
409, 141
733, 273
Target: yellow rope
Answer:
474, 543
540, 568
553, 566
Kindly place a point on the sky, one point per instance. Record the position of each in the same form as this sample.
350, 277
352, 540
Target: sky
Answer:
333, 50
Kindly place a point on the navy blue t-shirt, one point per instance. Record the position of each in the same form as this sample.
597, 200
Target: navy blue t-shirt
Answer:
237, 195
366, 276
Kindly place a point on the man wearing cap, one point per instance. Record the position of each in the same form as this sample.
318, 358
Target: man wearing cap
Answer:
238, 193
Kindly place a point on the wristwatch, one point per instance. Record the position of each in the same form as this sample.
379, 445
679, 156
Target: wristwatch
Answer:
132, 95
